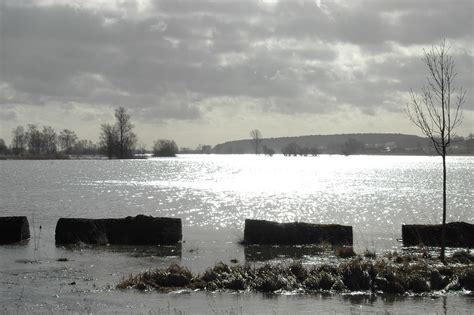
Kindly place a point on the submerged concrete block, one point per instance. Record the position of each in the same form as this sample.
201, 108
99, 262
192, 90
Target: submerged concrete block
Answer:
14, 229
75, 230
458, 234
139, 230
267, 232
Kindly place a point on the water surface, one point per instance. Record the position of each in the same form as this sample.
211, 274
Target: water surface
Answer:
213, 195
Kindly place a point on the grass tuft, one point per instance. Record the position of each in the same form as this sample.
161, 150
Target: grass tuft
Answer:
393, 273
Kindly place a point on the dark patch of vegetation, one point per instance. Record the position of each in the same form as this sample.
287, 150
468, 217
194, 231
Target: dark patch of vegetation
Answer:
293, 149
200, 149
268, 151
35, 143
344, 252
3, 147
351, 146
118, 140
165, 148
462, 257
375, 143
256, 139
174, 276
393, 273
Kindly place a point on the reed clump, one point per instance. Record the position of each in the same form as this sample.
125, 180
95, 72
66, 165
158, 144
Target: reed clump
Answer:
392, 273
175, 276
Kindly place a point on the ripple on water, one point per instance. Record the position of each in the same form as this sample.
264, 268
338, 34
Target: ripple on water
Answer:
374, 193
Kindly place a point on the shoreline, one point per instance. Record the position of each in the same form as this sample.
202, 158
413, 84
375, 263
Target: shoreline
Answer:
95, 158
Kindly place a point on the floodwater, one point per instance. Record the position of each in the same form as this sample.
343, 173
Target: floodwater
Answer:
213, 195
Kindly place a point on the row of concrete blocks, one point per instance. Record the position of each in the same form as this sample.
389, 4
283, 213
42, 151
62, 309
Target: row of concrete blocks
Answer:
148, 230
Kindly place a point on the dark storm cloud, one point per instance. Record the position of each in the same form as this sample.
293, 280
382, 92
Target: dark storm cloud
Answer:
290, 56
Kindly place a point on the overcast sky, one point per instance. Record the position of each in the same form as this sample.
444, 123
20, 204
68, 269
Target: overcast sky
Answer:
203, 72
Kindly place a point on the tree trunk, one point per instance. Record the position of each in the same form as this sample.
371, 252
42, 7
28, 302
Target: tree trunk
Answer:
443, 232
121, 143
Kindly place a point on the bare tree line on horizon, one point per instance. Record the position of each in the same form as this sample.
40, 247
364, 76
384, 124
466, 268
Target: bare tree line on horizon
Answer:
45, 142
68, 144
116, 141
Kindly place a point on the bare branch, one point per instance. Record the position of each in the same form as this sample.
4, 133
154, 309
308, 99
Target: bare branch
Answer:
432, 109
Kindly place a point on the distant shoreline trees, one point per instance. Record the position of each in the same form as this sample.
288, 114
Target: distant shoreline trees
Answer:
268, 151
165, 148
293, 149
200, 149
67, 139
19, 141
117, 141
256, 136
352, 146
45, 143
3, 147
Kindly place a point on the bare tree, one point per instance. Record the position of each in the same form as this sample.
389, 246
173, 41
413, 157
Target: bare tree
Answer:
34, 139
49, 140
290, 149
126, 138
84, 147
118, 140
437, 110
67, 139
18, 140
141, 148
108, 140
256, 138
3, 147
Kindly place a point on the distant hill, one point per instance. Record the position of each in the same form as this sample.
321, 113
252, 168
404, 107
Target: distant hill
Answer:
372, 143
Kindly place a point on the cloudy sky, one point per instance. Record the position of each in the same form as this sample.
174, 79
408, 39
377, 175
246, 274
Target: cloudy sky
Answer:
203, 72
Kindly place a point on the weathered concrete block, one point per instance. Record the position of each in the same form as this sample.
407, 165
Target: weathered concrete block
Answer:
139, 230
458, 234
75, 230
267, 232
14, 229
144, 230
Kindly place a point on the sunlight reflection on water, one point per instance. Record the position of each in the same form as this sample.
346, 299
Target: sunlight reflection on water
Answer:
213, 195
375, 194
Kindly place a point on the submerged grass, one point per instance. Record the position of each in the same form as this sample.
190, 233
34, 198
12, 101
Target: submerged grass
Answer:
174, 276
391, 273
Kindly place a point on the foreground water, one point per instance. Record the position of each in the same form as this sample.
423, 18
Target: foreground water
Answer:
213, 195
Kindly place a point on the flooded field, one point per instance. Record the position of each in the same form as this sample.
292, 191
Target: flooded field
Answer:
213, 195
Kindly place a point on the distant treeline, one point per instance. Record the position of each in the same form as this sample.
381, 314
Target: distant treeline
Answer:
44, 142
346, 144
116, 141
